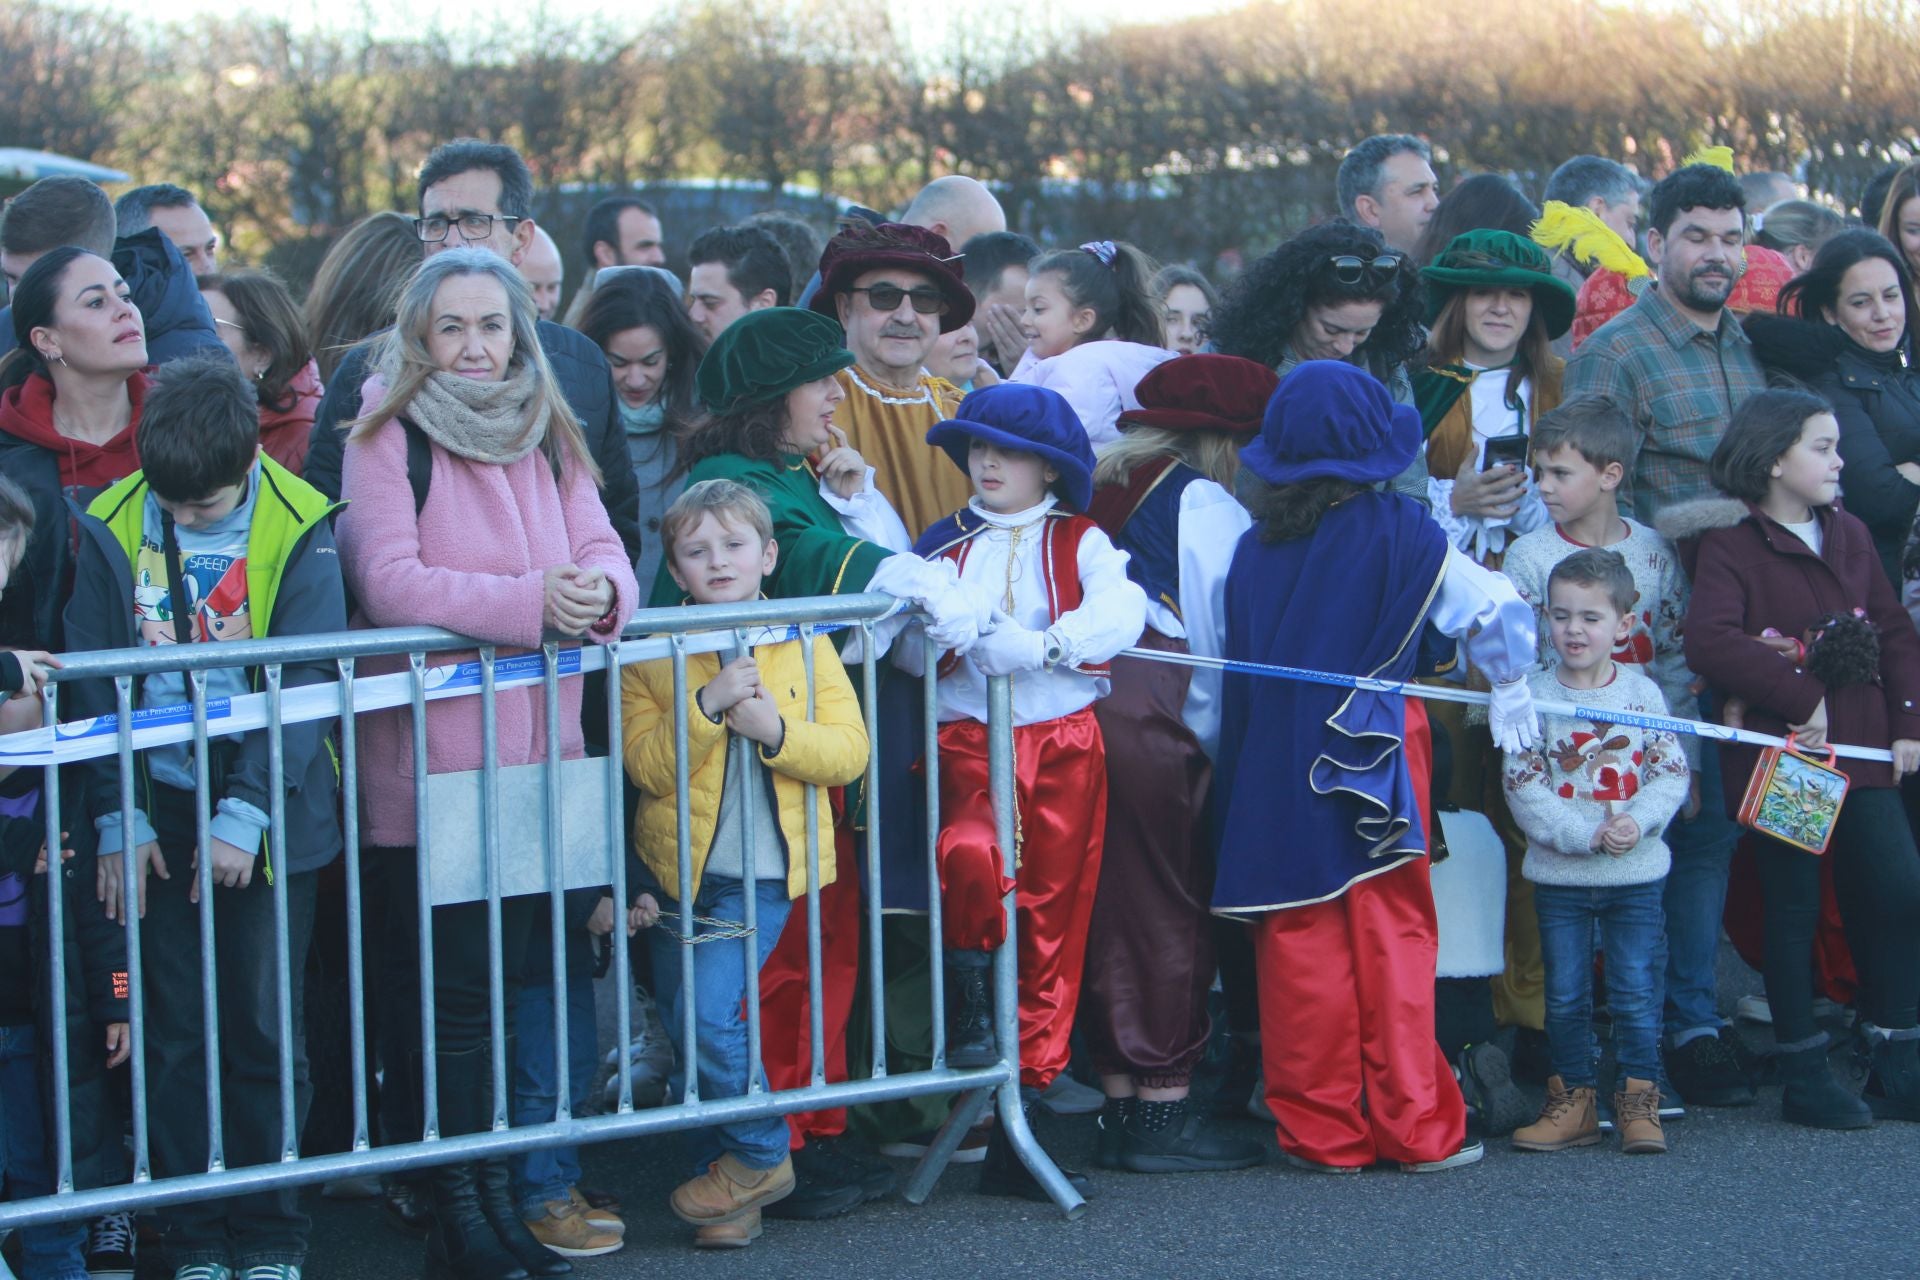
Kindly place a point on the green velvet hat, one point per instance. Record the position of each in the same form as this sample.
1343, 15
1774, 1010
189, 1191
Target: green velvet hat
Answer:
1488, 259
765, 354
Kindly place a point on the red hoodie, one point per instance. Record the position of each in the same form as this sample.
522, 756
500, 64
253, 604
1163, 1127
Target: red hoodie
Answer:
26, 412
284, 431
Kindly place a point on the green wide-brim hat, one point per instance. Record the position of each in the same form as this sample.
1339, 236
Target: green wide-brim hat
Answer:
765, 354
1499, 260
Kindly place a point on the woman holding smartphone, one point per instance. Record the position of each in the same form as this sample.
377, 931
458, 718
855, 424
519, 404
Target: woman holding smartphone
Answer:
1494, 305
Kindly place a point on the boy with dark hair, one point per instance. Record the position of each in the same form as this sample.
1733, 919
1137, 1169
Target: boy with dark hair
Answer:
214, 542
1594, 796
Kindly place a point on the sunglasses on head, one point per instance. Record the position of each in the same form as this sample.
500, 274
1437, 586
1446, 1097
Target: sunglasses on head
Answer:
886, 298
1349, 268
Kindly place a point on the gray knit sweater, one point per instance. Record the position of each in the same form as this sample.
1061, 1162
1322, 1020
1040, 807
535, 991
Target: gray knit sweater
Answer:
1585, 770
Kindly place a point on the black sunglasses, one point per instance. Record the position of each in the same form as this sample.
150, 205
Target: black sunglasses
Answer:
1350, 268
886, 298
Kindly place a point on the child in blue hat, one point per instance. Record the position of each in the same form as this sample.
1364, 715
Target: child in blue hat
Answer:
1064, 607
1323, 807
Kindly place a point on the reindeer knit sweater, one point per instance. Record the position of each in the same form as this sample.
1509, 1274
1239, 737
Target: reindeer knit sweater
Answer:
1584, 770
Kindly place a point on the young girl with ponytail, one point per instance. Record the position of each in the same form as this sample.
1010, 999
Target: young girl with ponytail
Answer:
1093, 330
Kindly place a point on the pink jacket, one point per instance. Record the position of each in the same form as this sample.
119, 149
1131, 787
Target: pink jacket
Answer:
1097, 378
473, 561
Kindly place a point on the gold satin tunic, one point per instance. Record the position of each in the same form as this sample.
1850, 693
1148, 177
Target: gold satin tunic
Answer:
888, 425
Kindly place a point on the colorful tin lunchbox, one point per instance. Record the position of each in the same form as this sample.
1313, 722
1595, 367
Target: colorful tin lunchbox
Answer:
1794, 798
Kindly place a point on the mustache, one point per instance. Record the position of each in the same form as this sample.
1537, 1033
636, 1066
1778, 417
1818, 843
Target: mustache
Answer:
899, 331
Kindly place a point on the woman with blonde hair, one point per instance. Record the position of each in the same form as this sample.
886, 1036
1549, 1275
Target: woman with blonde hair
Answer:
473, 505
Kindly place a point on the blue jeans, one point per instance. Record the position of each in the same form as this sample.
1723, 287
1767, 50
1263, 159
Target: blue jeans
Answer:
56, 1251
1696, 899
540, 1176
719, 1005
1633, 939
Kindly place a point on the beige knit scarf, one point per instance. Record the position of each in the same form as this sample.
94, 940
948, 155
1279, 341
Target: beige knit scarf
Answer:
484, 421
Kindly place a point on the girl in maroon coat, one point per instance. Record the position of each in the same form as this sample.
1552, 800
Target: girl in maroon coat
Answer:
1776, 565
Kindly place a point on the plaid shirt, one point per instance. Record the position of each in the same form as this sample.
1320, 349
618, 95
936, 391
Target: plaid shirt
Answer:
1678, 382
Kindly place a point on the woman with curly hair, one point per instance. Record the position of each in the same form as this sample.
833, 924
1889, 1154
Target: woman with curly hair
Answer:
1333, 292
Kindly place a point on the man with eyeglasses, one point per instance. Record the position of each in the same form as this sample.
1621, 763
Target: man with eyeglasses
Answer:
895, 289
479, 195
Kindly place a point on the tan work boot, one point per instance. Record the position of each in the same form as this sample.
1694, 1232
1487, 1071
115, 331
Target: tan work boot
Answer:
1568, 1118
1636, 1115
730, 1190
563, 1229
605, 1219
737, 1234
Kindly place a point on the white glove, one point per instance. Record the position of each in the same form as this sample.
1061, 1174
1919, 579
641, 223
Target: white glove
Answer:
1009, 648
953, 618
1515, 724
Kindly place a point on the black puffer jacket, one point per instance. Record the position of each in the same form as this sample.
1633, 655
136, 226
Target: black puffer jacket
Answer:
585, 380
1876, 397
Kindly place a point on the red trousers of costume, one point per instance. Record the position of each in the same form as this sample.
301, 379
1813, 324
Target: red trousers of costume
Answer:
1353, 1074
786, 1001
1060, 784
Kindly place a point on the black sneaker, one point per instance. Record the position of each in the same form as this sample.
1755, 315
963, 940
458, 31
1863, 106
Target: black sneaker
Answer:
822, 1188
844, 1156
1003, 1173
1185, 1144
1486, 1078
110, 1247
1708, 1074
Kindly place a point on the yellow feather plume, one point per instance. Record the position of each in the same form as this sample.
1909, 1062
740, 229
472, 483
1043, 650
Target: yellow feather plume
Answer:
1718, 157
1581, 233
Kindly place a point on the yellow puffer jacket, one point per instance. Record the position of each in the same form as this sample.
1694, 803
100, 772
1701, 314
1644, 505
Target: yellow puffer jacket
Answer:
829, 751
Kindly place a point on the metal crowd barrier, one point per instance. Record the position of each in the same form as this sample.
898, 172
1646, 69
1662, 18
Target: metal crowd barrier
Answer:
650, 630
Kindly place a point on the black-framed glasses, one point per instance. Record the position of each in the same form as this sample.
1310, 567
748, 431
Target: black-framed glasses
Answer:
473, 226
1349, 268
886, 298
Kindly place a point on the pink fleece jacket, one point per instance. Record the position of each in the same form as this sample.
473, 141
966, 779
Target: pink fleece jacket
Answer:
473, 561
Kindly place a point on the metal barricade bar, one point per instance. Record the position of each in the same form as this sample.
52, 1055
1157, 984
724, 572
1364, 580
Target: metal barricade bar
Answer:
672, 630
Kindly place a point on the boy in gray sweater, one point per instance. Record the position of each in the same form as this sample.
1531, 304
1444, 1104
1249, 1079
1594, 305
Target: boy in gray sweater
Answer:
1594, 797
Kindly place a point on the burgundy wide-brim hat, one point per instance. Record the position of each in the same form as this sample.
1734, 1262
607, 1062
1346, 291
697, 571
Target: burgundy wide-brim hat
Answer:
860, 249
1204, 392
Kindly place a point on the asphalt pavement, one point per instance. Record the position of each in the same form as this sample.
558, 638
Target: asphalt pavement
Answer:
1740, 1194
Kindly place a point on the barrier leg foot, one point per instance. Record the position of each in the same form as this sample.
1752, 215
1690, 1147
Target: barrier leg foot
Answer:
1013, 1120
965, 1114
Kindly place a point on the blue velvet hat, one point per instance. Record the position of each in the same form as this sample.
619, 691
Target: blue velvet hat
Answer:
1331, 418
1015, 415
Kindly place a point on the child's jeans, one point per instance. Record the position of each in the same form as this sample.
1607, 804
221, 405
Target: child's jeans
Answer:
1633, 938
55, 1251
719, 1003
546, 1174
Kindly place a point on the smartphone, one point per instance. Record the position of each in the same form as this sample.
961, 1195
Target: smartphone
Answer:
1503, 451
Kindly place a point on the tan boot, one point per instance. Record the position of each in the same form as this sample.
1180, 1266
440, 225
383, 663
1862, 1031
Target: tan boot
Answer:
730, 1190
1568, 1118
1636, 1115
737, 1234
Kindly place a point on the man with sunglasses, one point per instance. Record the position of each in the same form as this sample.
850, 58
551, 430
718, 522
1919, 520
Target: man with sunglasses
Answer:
895, 289
479, 195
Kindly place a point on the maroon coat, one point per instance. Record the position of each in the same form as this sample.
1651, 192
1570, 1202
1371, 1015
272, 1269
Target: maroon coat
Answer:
1751, 573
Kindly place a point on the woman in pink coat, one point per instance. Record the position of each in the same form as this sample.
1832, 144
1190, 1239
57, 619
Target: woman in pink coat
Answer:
505, 539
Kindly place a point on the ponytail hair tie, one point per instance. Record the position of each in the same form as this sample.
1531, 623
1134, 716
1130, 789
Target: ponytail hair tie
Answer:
1101, 249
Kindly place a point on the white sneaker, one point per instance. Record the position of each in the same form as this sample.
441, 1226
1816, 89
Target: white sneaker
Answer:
1471, 1151
1754, 1009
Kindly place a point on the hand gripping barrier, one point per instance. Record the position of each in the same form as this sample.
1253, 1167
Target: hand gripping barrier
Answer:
313, 678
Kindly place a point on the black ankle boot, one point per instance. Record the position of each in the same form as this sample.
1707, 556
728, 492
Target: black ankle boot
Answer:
1182, 1142
461, 1244
1893, 1086
494, 1186
1811, 1096
1113, 1118
1004, 1175
970, 1038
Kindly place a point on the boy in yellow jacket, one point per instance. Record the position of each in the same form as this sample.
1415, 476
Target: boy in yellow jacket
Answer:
717, 539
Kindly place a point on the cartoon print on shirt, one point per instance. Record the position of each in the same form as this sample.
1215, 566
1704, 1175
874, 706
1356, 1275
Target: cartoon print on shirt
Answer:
1597, 756
216, 586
